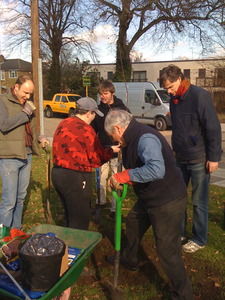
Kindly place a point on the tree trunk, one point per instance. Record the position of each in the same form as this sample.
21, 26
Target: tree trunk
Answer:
54, 76
123, 61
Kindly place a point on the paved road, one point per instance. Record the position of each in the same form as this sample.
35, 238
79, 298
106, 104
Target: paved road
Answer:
217, 178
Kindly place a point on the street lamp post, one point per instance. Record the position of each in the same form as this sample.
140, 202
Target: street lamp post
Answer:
1, 61
35, 48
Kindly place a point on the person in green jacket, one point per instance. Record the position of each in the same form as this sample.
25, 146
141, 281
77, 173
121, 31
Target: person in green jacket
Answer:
18, 141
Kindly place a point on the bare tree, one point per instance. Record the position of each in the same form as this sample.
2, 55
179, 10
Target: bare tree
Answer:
216, 33
61, 24
161, 19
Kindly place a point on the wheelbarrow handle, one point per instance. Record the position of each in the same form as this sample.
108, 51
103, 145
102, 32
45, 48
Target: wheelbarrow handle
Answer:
46, 148
48, 180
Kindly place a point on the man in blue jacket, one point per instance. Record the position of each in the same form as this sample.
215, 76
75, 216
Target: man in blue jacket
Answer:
196, 141
161, 197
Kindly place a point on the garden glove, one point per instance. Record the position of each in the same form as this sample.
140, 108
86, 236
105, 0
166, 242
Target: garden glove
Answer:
29, 108
117, 180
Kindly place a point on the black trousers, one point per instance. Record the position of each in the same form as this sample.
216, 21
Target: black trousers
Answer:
166, 223
74, 190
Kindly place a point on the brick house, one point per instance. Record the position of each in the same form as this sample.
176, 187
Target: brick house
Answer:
11, 69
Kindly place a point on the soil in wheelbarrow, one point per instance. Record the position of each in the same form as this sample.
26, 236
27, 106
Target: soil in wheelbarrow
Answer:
149, 281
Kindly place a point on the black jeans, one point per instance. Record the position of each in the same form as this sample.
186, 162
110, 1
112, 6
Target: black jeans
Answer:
166, 223
74, 190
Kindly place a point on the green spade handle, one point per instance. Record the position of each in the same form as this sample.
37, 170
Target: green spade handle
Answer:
119, 200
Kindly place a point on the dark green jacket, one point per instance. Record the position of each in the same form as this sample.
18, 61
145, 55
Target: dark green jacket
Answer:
12, 129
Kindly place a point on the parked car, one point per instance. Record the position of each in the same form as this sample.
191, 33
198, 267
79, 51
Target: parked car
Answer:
61, 103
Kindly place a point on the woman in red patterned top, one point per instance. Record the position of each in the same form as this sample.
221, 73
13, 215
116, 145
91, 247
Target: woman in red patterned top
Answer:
76, 151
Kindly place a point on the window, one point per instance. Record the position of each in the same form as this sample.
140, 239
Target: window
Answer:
220, 77
64, 99
13, 74
57, 98
201, 73
164, 96
139, 76
110, 75
187, 73
150, 97
2, 75
73, 98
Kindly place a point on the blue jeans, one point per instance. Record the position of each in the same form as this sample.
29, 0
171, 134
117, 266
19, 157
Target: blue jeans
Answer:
15, 174
200, 178
166, 223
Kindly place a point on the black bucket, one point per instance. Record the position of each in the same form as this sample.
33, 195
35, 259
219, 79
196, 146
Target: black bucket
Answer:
40, 273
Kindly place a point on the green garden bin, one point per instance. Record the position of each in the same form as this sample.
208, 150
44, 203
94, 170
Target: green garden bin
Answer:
81, 239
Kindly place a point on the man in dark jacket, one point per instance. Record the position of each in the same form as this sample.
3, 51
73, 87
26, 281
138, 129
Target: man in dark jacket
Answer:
108, 101
158, 184
196, 141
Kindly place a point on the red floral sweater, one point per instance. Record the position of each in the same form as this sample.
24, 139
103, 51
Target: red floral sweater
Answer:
77, 147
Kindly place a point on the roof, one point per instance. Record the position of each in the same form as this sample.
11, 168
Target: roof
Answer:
16, 64
165, 61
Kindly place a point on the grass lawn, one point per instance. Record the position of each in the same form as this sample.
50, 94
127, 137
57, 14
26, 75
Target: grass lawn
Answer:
206, 267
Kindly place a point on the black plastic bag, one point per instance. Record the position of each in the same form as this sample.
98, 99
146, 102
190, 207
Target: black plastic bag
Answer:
40, 259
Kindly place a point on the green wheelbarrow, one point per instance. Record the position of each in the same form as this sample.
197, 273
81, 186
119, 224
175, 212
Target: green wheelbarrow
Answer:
81, 239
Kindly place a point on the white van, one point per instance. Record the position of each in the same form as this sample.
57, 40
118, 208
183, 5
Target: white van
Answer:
147, 102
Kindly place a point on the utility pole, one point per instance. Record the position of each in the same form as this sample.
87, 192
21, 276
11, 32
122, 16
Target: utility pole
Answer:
35, 49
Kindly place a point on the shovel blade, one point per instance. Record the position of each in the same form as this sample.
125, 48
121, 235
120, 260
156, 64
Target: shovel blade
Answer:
116, 293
